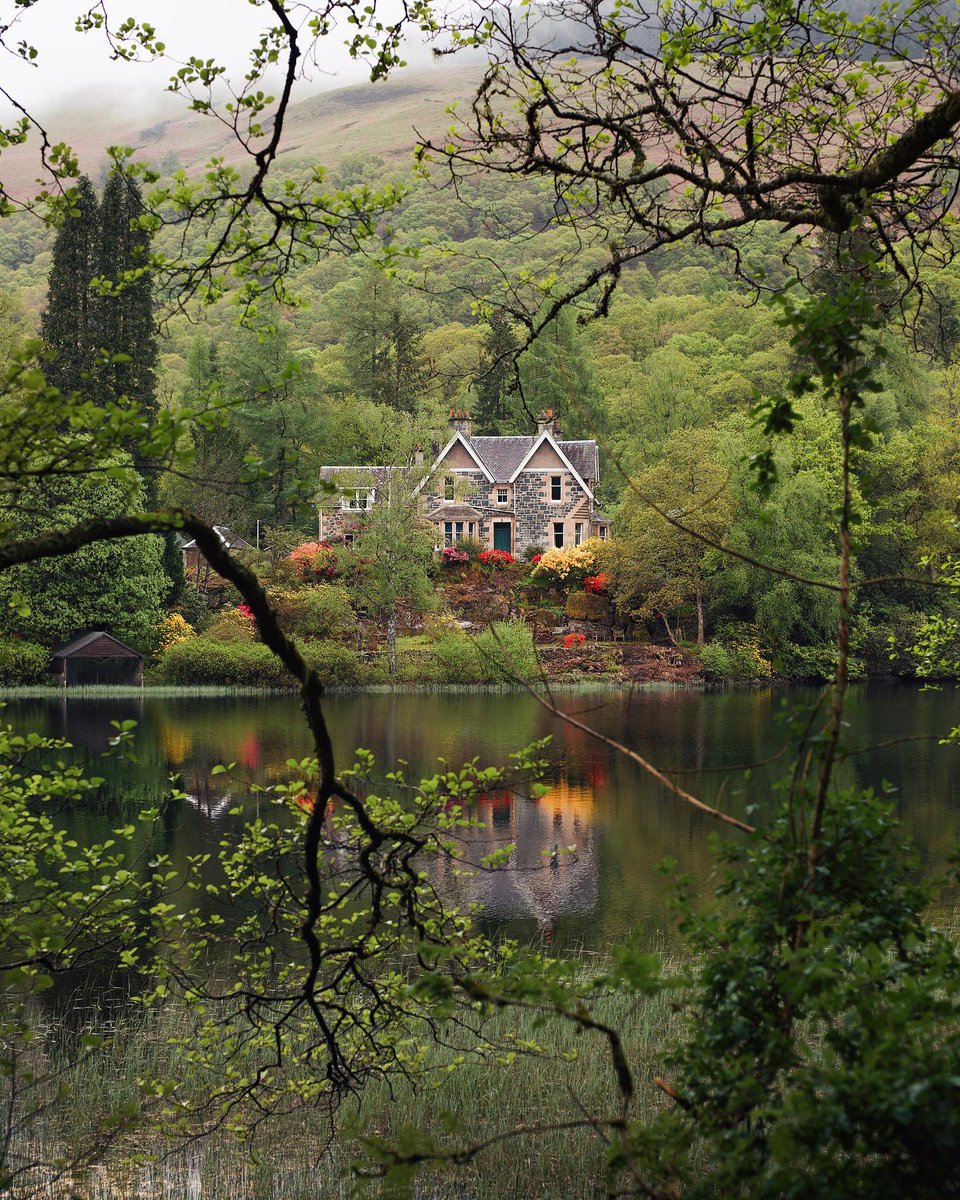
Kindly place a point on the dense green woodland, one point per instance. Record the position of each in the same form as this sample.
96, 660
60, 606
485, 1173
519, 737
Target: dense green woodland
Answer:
368, 365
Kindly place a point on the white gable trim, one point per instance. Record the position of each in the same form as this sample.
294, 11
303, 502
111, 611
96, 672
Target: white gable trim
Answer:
547, 437
457, 437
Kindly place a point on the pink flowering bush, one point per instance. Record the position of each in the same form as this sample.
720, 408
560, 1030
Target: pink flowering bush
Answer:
598, 584
453, 556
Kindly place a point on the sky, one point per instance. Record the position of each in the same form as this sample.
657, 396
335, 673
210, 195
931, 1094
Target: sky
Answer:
76, 68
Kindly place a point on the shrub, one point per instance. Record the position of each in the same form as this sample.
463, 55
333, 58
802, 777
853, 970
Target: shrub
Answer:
573, 641
506, 652
497, 559
315, 561
598, 585
23, 662
735, 654
454, 556
337, 666
813, 662
322, 611
571, 567
471, 547
232, 625
174, 628
585, 606
533, 554
456, 660
209, 660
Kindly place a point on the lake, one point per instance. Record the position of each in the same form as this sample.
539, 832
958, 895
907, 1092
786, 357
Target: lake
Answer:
622, 823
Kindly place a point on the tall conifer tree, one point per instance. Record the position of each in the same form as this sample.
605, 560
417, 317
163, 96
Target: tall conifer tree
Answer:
68, 324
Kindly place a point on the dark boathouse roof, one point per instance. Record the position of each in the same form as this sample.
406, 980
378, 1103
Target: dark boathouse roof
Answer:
96, 644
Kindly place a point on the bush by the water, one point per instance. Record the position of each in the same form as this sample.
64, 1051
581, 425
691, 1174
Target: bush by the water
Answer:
204, 660
737, 655
500, 654
324, 611
22, 662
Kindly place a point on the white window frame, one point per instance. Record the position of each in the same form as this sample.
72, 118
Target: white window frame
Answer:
360, 500
577, 533
603, 533
503, 495
448, 533
556, 485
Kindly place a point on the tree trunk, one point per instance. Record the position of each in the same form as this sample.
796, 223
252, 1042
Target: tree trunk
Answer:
392, 642
666, 625
699, 617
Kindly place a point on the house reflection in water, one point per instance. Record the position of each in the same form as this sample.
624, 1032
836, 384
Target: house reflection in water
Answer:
545, 878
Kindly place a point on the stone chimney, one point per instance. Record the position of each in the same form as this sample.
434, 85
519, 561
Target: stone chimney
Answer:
460, 422
546, 423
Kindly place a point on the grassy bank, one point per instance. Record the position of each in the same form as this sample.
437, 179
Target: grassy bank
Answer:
287, 1159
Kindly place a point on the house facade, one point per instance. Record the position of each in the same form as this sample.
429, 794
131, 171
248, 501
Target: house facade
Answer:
508, 493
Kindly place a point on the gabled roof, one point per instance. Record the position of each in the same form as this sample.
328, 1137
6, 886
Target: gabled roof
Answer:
503, 455
232, 541
547, 438
470, 445
87, 639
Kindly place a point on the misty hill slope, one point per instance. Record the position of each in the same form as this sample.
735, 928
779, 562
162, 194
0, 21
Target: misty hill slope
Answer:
372, 118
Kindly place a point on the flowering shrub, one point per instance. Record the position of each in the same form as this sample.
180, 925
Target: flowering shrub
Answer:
496, 558
535, 559
598, 584
573, 641
174, 629
245, 611
570, 567
453, 556
314, 561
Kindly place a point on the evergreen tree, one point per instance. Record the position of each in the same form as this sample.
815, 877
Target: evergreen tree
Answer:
69, 322
556, 375
498, 409
124, 320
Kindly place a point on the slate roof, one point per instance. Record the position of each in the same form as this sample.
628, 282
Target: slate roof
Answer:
455, 512
502, 455
357, 477
86, 639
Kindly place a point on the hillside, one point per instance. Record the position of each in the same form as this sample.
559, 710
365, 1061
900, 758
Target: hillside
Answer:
380, 118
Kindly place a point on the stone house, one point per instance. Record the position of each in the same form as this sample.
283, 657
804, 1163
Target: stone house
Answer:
508, 493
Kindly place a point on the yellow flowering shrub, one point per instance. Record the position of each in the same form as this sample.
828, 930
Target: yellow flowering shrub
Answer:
568, 568
174, 629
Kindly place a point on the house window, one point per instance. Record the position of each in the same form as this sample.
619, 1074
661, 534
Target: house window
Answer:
359, 499
348, 539
459, 526
603, 533
556, 487
578, 533
448, 533
502, 495
449, 488
558, 534
470, 529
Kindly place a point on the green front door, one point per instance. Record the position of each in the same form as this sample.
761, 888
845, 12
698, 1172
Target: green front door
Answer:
501, 536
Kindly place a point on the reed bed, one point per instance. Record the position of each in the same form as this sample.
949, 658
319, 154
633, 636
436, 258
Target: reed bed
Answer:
294, 1158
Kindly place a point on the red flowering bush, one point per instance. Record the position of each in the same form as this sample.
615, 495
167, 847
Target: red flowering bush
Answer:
573, 641
245, 611
453, 556
496, 558
599, 584
314, 561
536, 558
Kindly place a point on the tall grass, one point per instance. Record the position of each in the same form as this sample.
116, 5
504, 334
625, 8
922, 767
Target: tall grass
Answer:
288, 1160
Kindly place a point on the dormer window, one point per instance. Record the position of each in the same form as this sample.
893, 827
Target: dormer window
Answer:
449, 488
359, 500
556, 487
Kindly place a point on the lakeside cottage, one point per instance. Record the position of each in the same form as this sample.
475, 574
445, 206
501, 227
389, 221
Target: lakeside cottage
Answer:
508, 493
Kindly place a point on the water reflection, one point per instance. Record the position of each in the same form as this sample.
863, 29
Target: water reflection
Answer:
588, 851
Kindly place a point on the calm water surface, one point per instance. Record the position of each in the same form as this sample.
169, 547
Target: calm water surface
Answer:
622, 823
